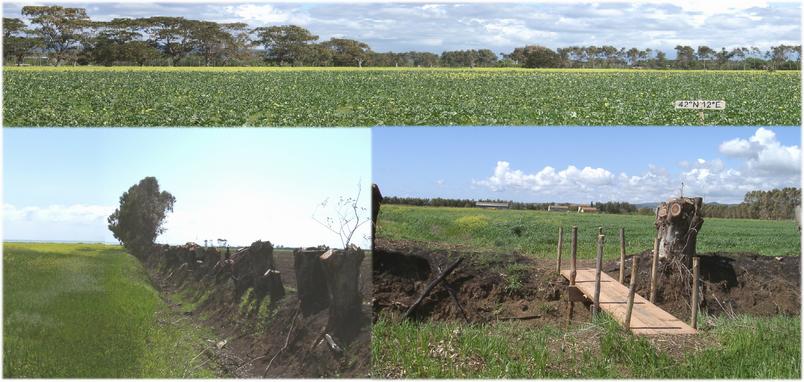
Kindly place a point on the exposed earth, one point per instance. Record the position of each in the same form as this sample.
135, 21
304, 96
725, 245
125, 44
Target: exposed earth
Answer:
493, 287
252, 330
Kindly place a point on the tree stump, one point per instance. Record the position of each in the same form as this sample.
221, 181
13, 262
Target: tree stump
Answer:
342, 274
250, 269
267, 280
376, 199
311, 284
678, 222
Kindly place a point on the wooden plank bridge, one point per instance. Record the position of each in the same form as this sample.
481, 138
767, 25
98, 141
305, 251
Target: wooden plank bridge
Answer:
646, 318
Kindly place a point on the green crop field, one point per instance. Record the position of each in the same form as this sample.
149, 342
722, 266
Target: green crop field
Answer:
536, 232
88, 310
740, 347
93, 96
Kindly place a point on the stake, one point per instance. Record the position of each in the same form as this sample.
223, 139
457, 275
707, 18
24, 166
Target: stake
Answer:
560, 243
653, 269
631, 290
573, 270
695, 273
598, 264
622, 255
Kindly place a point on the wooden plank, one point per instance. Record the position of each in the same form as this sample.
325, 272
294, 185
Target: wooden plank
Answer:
646, 318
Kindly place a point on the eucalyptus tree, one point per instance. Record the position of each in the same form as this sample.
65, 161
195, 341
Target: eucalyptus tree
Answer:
285, 44
59, 29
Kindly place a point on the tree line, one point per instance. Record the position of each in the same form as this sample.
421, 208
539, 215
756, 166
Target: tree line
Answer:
776, 204
58, 35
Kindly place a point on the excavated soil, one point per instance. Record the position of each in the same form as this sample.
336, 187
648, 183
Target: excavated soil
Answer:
252, 339
730, 283
494, 287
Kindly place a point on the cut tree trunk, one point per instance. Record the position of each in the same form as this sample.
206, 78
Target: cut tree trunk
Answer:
266, 282
250, 270
679, 221
342, 274
310, 282
376, 199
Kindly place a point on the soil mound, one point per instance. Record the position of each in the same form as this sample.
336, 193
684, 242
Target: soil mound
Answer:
731, 283
489, 287
513, 287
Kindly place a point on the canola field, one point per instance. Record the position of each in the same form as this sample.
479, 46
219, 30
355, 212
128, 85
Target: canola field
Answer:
352, 97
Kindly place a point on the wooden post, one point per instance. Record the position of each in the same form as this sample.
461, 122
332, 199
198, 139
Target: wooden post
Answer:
631, 291
560, 244
598, 265
622, 255
695, 273
654, 269
573, 270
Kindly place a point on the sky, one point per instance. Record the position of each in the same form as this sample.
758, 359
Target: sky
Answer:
436, 27
238, 184
583, 164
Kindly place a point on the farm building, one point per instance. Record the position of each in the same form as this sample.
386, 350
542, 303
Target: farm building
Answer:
586, 209
493, 205
555, 208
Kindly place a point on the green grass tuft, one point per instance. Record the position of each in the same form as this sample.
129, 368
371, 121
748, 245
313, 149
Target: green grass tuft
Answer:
744, 347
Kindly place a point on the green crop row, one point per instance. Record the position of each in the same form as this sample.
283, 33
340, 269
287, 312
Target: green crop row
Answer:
536, 232
368, 97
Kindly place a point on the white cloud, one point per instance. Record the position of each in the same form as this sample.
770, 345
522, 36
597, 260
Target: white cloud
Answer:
57, 222
407, 26
736, 147
572, 177
72, 214
510, 31
764, 153
263, 14
764, 163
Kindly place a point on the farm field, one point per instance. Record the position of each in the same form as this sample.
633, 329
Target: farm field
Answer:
515, 304
535, 233
120, 96
89, 310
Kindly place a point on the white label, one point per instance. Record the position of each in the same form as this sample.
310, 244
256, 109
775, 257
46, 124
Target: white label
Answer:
700, 105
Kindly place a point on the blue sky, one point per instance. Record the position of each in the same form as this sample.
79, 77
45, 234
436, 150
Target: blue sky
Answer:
583, 164
501, 27
238, 184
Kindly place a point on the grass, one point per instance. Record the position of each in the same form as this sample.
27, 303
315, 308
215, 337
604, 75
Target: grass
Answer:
94, 96
89, 311
535, 233
741, 347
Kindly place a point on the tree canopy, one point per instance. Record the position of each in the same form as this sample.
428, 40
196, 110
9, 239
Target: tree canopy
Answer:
68, 35
138, 220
